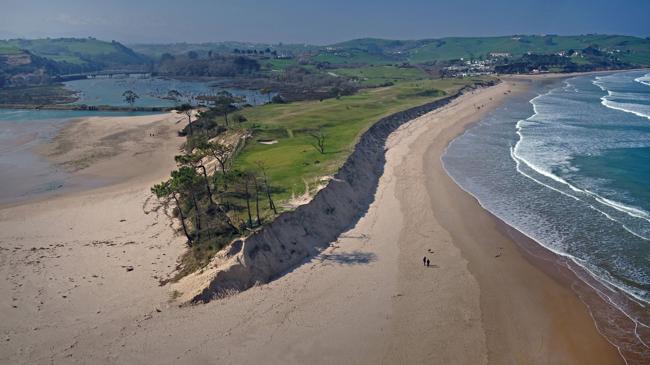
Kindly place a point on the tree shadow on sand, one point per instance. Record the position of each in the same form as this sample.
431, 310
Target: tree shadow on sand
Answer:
349, 258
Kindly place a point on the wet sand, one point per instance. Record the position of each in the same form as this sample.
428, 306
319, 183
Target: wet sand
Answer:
74, 261
528, 317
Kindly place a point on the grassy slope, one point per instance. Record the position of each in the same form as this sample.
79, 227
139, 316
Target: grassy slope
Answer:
366, 50
294, 160
360, 51
64, 49
7, 49
380, 75
156, 50
354, 56
450, 48
278, 64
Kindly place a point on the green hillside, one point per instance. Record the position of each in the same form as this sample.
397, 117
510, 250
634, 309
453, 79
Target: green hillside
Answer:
374, 51
7, 49
293, 159
382, 75
157, 50
32, 62
88, 52
377, 51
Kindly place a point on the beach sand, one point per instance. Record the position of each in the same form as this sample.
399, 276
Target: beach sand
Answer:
365, 299
64, 259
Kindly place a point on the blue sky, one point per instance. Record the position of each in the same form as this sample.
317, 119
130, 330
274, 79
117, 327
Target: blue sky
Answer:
318, 22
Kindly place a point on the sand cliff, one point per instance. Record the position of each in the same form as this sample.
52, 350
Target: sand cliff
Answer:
295, 236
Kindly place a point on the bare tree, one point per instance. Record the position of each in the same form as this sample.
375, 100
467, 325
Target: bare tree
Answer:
247, 195
319, 140
267, 186
187, 110
257, 197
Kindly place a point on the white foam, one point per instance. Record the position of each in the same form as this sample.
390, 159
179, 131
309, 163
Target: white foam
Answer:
645, 80
624, 107
633, 211
598, 82
535, 156
531, 163
620, 207
581, 263
640, 110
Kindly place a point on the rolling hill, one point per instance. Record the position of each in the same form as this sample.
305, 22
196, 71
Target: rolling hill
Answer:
88, 52
373, 51
34, 61
629, 49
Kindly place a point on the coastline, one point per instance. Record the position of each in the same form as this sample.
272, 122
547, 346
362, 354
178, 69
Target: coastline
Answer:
526, 316
59, 158
366, 298
83, 107
264, 256
76, 259
617, 315
603, 303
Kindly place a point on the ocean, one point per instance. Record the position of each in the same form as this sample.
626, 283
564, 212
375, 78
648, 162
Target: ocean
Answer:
568, 164
24, 173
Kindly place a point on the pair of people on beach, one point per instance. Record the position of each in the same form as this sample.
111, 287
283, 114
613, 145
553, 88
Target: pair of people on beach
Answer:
425, 261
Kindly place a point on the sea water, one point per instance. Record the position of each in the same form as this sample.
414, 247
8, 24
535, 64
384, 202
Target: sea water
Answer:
151, 91
25, 174
568, 164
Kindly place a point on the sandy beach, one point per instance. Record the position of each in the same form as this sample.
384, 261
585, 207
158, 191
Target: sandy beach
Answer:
81, 270
65, 259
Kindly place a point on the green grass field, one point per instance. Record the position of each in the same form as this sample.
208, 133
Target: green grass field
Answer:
64, 45
354, 57
278, 64
7, 49
381, 51
67, 58
294, 160
380, 75
454, 48
71, 50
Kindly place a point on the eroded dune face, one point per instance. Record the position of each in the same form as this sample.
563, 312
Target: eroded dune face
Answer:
297, 235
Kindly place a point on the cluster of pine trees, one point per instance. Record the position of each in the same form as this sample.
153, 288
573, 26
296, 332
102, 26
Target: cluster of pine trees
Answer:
213, 201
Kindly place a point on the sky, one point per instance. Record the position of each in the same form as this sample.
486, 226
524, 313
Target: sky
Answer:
315, 22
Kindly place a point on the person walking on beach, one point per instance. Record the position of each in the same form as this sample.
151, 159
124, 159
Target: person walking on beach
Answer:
424, 261
428, 262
